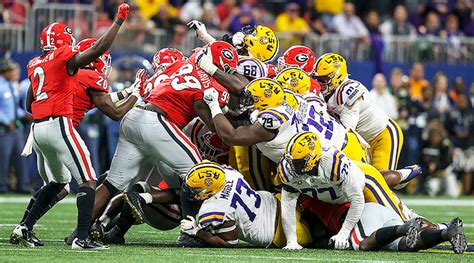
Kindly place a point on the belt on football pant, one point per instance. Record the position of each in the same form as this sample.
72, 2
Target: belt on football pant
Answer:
153, 108
47, 119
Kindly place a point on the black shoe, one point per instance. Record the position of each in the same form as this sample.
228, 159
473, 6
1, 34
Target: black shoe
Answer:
24, 236
189, 241
136, 202
68, 240
410, 230
97, 231
36, 241
87, 244
455, 232
114, 237
14, 239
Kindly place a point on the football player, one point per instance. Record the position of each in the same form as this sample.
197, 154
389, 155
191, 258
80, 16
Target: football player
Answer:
53, 78
327, 174
91, 92
303, 58
351, 102
231, 210
154, 130
379, 228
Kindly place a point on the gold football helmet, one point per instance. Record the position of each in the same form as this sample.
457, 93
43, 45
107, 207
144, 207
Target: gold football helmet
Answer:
262, 93
295, 80
205, 179
303, 152
330, 71
290, 99
261, 42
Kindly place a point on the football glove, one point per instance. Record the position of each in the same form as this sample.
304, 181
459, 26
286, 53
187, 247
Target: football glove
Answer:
292, 246
238, 40
205, 62
201, 31
339, 241
189, 226
123, 10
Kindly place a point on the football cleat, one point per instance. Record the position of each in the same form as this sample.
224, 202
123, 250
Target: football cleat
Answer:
14, 239
410, 231
415, 170
26, 237
87, 244
456, 236
68, 240
114, 237
97, 231
189, 241
136, 203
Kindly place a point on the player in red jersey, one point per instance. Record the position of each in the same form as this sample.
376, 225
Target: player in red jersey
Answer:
53, 78
303, 58
154, 130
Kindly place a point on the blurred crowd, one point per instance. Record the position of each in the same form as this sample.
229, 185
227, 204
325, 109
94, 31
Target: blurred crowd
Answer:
437, 118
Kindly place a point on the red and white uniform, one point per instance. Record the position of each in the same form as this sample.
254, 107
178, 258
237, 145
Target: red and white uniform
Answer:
60, 150
147, 135
88, 79
53, 87
184, 86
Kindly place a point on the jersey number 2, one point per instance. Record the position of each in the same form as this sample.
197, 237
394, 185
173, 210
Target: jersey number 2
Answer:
39, 73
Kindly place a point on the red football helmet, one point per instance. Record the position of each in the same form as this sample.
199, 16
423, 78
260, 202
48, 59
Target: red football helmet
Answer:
164, 57
56, 35
298, 56
224, 56
103, 63
272, 71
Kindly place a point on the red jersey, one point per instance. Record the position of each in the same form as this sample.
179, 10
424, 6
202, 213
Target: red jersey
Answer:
176, 95
88, 79
315, 87
53, 87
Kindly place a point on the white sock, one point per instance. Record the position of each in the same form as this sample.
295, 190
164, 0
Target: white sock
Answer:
147, 197
104, 220
404, 173
442, 226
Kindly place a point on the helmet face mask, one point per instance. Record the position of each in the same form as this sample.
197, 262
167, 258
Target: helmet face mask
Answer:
303, 152
261, 42
164, 57
204, 180
330, 72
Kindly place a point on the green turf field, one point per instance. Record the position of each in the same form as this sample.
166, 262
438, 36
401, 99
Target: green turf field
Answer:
145, 244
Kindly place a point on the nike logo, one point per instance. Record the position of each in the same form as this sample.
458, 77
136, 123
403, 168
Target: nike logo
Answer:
80, 194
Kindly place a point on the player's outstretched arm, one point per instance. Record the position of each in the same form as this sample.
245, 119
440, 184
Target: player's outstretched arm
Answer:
226, 236
243, 135
103, 101
288, 218
103, 43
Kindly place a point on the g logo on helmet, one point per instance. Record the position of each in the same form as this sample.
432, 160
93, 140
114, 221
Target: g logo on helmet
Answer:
68, 30
227, 54
302, 58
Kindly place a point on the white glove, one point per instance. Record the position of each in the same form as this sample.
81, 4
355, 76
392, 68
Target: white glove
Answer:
201, 31
340, 241
293, 246
189, 226
211, 97
204, 60
140, 78
238, 40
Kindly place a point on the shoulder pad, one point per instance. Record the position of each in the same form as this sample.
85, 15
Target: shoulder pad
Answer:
349, 92
251, 67
212, 217
339, 166
272, 119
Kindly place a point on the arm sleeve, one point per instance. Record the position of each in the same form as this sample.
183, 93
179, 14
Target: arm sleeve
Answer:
350, 116
353, 187
288, 215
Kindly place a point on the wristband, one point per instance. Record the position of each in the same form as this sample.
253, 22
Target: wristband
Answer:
114, 97
118, 21
215, 110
